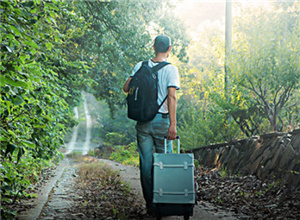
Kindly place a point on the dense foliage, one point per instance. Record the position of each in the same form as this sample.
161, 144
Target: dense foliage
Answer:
50, 52
264, 78
34, 112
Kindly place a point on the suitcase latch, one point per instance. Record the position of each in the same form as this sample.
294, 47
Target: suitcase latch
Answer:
160, 192
186, 193
185, 165
161, 165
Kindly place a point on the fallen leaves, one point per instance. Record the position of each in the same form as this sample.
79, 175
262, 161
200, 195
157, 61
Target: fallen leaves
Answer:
248, 196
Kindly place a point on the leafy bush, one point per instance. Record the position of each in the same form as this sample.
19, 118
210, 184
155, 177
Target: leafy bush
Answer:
126, 154
115, 138
34, 113
17, 178
198, 127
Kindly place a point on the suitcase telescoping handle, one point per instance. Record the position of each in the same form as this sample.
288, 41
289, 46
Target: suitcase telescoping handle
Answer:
178, 144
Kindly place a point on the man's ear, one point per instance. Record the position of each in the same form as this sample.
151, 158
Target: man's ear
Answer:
170, 47
154, 48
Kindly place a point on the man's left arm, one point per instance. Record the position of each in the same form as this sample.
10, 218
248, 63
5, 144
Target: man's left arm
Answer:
126, 85
135, 69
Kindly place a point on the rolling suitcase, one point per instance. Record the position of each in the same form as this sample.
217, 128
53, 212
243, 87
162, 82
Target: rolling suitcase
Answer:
173, 184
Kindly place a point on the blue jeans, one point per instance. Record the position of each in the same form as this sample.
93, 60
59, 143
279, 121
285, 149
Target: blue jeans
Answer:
150, 138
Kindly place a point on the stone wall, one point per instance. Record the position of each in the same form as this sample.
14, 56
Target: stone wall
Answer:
267, 156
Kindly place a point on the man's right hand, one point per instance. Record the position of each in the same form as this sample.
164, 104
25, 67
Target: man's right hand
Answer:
172, 132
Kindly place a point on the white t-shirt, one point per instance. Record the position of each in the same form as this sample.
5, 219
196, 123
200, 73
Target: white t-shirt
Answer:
168, 76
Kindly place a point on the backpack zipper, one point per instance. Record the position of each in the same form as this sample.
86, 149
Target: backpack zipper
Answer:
136, 93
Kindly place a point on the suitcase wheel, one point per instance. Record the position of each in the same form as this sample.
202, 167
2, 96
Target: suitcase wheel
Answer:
158, 216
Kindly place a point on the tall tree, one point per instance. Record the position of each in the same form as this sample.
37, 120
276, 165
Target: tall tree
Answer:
265, 60
120, 34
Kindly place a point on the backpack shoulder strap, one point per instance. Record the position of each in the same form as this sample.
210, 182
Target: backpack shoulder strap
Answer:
159, 66
145, 63
155, 69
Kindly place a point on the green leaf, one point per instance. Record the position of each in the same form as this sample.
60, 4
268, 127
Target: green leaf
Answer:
2, 138
15, 30
20, 153
23, 58
28, 144
49, 45
32, 44
18, 100
48, 19
34, 195
7, 200
12, 134
52, 6
40, 126
33, 10
8, 106
11, 82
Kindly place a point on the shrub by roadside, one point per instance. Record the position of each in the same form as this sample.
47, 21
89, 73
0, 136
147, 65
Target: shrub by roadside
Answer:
124, 154
127, 155
25, 183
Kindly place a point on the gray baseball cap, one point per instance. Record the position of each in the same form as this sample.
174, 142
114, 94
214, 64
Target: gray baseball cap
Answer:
162, 43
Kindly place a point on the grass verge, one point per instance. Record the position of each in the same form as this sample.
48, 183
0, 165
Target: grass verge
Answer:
103, 193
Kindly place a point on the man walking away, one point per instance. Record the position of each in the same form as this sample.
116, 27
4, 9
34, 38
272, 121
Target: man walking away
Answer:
150, 135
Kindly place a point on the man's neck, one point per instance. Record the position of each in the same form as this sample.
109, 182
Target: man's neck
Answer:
160, 57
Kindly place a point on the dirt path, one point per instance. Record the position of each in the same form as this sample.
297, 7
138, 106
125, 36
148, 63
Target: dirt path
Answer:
71, 144
86, 145
57, 196
83, 146
61, 196
203, 211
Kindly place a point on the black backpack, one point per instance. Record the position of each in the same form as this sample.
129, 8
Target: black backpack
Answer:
143, 92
